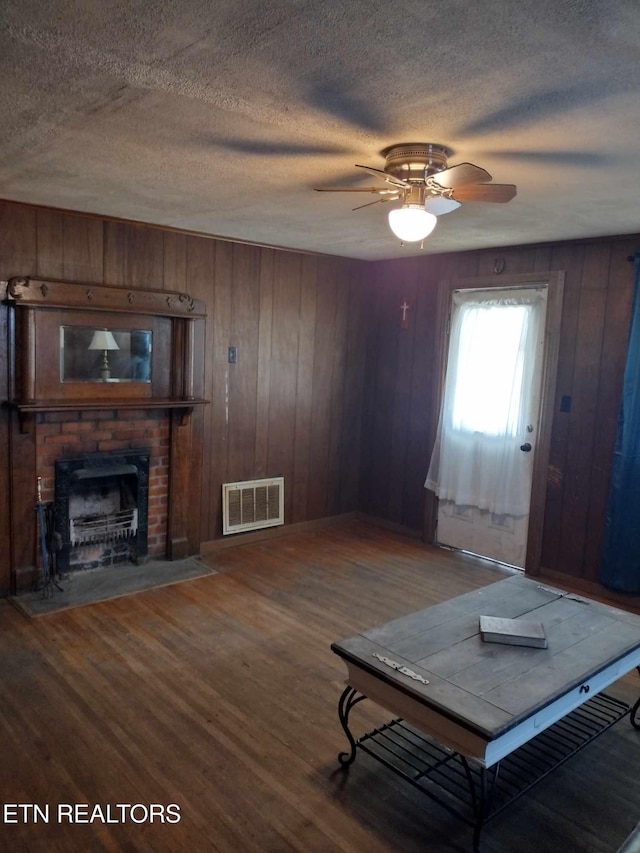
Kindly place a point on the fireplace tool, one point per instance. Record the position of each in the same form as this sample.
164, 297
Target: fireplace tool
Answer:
46, 577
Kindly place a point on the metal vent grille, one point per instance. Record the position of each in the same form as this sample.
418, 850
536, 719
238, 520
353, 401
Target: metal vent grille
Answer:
252, 505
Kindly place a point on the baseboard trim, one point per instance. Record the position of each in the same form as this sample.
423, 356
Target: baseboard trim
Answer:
625, 600
393, 526
253, 536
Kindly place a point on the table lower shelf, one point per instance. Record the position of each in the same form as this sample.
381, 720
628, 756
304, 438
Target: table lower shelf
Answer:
475, 794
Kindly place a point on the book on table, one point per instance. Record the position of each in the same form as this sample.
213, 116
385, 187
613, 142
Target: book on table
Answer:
513, 632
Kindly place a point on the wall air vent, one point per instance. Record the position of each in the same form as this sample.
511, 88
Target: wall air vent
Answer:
252, 505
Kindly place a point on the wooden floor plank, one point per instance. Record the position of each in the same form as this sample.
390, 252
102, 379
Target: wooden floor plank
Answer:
220, 695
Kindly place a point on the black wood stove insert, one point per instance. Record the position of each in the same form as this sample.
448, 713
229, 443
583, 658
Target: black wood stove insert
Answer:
101, 509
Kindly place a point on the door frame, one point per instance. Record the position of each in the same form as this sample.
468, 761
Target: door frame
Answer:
554, 280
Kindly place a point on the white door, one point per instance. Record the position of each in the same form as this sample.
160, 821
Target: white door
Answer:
482, 465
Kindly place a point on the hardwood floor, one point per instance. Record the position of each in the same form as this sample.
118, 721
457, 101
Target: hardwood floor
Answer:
220, 695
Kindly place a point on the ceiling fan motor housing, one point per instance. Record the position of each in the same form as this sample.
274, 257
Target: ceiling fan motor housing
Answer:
416, 161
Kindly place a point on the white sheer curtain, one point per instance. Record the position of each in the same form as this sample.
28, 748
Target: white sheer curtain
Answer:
495, 347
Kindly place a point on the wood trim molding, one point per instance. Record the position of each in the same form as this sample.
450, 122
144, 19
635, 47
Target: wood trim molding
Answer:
443, 311
545, 421
97, 297
238, 539
625, 600
393, 526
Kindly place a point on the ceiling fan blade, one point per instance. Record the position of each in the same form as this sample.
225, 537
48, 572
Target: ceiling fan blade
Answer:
379, 190
486, 192
461, 176
380, 174
378, 201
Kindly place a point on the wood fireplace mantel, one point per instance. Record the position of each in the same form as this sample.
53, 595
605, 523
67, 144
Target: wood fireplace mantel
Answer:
40, 315
42, 309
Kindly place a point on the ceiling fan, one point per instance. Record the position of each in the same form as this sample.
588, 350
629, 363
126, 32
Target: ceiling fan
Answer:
418, 175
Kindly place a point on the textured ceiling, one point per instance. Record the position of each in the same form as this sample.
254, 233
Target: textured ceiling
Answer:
220, 116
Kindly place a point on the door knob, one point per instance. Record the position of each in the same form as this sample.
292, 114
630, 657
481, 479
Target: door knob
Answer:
526, 447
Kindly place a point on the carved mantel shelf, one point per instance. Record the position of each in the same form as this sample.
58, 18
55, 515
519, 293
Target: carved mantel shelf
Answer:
141, 403
100, 297
184, 407
44, 311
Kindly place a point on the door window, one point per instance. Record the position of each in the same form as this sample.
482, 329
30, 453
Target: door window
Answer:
490, 400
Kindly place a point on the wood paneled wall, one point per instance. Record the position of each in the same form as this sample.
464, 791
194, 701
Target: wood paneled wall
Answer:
292, 403
595, 321
329, 389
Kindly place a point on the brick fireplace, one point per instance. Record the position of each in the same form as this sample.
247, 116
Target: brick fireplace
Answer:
71, 435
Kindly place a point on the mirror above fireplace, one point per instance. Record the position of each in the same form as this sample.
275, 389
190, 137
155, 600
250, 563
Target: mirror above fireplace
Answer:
88, 354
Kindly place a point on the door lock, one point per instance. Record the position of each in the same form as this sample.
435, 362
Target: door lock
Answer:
526, 447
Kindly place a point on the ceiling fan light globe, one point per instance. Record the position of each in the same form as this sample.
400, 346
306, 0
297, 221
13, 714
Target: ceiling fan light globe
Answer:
411, 222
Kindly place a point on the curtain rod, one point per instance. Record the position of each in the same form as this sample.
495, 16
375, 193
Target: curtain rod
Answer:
534, 285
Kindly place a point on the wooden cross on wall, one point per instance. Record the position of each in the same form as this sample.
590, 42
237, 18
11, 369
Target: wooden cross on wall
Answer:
404, 323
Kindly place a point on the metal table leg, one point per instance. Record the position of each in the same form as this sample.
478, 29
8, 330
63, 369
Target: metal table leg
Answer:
463, 787
633, 713
348, 699
481, 798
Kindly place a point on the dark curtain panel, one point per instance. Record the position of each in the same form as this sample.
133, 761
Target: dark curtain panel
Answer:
620, 567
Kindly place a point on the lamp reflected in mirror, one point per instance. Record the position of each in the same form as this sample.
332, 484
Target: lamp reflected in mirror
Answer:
90, 354
103, 340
